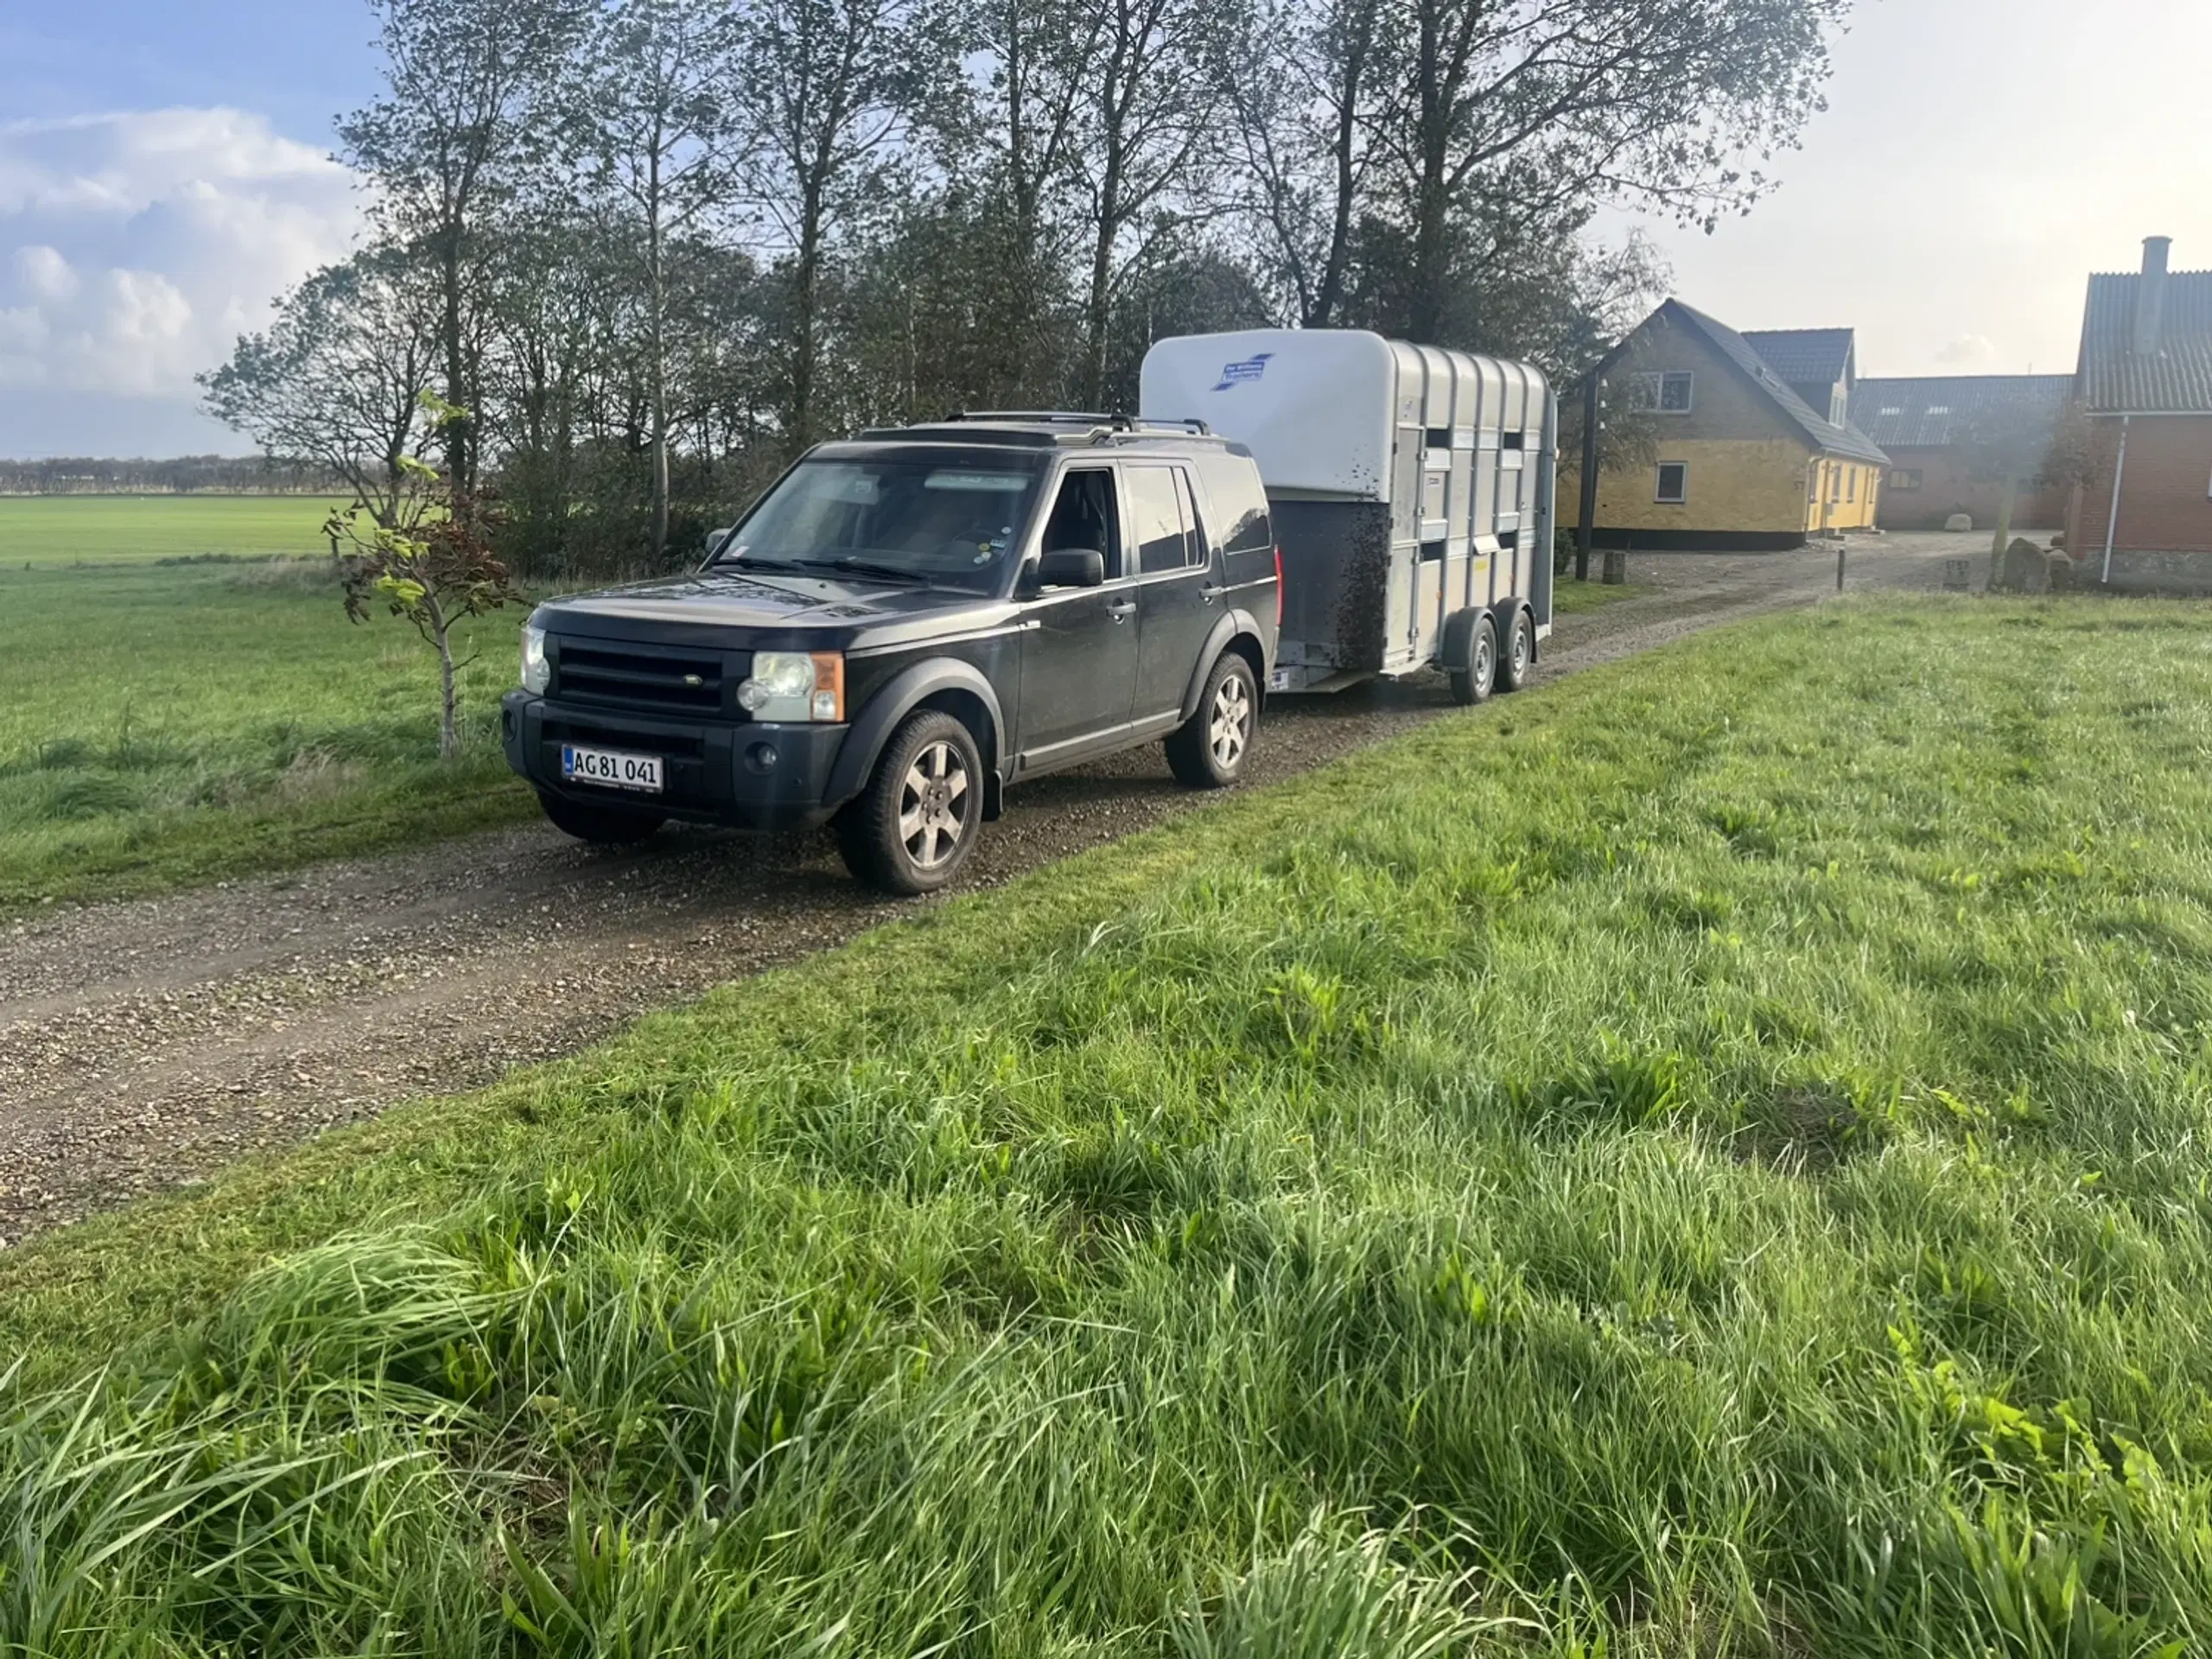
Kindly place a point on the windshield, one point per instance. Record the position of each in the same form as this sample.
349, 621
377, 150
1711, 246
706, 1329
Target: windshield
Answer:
896, 519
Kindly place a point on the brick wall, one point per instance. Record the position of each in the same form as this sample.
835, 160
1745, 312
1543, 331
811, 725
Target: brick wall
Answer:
2166, 502
1947, 487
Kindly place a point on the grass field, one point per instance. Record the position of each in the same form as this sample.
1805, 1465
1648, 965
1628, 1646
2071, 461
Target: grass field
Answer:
39, 529
165, 724
1571, 598
1705, 1158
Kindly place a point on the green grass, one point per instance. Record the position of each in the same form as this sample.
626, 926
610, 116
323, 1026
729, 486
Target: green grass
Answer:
39, 529
1707, 1157
172, 724
1571, 598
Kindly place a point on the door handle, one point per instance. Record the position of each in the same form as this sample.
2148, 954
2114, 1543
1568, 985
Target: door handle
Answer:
1210, 592
1120, 608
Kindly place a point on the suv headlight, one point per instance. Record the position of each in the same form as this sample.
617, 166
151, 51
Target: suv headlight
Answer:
537, 672
795, 685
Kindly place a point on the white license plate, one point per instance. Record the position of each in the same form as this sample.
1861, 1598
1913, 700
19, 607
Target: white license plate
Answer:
611, 769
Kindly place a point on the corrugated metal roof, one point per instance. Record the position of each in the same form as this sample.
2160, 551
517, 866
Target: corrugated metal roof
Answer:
1805, 356
2176, 379
1923, 413
1821, 433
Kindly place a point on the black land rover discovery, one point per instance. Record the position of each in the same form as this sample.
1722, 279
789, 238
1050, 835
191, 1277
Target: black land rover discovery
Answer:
904, 625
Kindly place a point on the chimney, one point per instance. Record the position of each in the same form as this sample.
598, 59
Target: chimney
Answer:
2151, 296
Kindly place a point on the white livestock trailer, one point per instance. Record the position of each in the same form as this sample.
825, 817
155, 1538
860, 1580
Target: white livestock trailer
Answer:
1412, 490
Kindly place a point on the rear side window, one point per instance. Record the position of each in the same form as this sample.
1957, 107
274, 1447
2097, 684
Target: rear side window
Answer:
1158, 528
1239, 517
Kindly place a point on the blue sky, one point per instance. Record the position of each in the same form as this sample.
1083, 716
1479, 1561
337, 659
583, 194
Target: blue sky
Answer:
164, 172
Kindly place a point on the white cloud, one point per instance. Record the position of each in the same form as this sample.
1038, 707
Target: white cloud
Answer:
1967, 351
135, 247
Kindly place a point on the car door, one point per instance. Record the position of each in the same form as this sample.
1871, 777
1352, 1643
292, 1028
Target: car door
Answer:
1176, 589
1079, 644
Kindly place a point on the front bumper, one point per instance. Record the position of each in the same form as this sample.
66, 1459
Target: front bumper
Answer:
755, 776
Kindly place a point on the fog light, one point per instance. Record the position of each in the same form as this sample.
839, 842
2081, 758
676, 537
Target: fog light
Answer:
762, 757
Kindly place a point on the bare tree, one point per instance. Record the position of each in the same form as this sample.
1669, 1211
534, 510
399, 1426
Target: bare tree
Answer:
1150, 96
465, 109
1309, 81
651, 119
337, 377
825, 89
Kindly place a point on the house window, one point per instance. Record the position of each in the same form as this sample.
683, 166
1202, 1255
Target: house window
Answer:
1674, 482
1904, 480
1851, 485
1671, 393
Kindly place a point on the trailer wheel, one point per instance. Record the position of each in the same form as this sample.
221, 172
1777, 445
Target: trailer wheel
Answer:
1520, 659
1471, 684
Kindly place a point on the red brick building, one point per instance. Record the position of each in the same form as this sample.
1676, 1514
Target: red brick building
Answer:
2143, 517
1928, 426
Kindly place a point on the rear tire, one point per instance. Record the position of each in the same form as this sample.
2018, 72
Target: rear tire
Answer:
914, 826
1208, 750
1519, 661
1472, 684
602, 826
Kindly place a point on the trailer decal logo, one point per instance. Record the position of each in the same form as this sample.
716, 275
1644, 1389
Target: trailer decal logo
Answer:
1237, 374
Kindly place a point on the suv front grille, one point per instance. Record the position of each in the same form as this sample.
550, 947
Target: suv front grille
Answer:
691, 681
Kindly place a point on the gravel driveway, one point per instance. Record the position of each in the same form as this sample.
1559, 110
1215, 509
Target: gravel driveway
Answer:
143, 1045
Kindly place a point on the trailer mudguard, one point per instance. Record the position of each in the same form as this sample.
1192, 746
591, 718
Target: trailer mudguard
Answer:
1230, 626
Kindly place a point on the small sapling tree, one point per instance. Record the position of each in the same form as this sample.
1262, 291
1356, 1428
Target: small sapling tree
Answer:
434, 564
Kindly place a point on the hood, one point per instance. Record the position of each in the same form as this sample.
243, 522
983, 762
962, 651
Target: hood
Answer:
723, 601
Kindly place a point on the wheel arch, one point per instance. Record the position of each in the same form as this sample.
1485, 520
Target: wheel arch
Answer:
1238, 632
952, 687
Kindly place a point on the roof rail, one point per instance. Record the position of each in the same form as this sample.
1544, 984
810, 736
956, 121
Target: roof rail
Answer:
1048, 416
1131, 423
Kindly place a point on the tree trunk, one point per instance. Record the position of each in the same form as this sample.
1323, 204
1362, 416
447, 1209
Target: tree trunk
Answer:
448, 721
805, 297
1099, 298
656, 344
1330, 293
458, 432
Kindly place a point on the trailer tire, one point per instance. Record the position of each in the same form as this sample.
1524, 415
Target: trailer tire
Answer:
1472, 684
1208, 750
1519, 659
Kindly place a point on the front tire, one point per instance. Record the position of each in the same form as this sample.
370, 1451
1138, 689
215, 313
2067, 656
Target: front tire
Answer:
1520, 659
602, 826
1472, 684
1208, 750
914, 826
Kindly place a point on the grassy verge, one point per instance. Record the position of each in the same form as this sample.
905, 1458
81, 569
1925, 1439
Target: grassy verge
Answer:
172, 724
1571, 598
45, 530
1705, 1158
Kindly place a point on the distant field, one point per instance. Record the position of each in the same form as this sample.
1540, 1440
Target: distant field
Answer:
167, 724
108, 528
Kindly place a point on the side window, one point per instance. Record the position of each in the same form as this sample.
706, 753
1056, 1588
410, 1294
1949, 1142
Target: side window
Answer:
1084, 516
1239, 519
1157, 531
1194, 538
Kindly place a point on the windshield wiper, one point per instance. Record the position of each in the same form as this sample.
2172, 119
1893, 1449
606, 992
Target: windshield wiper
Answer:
888, 572
749, 563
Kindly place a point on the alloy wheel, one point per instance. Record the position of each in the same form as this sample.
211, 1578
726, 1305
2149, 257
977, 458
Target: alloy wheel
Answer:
1228, 730
933, 806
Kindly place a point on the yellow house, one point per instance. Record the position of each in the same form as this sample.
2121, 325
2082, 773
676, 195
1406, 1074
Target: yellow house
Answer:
1744, 460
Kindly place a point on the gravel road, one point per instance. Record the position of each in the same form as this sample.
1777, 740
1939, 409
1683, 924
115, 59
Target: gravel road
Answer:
143, 1045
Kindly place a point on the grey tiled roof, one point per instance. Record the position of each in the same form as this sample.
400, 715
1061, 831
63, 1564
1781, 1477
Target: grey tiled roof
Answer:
1819, 432
1805, 356
1923, 413
2177, 379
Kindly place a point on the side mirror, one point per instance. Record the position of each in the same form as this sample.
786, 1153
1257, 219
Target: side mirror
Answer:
716, 540
1072, 566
